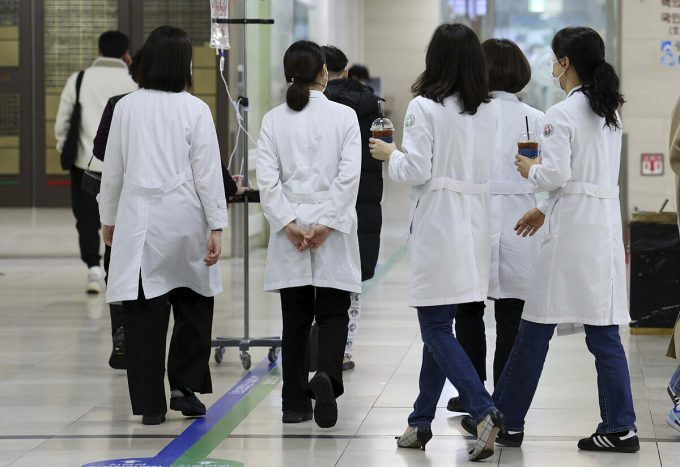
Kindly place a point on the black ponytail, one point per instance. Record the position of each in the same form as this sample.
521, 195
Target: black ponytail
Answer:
585, 50
302, 63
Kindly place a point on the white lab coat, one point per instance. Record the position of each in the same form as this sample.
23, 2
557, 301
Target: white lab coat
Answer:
580, 274
308, 169
512, 256
162, 188
447, 158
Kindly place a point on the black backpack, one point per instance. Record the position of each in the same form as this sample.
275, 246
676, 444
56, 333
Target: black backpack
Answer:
70, 150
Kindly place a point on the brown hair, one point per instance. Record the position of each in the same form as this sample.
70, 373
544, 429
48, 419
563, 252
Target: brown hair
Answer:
454, 64
507, 67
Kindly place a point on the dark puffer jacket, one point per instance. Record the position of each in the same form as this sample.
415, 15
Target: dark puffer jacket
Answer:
360, 97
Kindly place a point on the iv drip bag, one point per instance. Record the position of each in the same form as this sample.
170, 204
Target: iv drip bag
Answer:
219, 32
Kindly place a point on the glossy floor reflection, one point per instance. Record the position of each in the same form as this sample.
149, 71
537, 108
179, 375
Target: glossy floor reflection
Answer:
62, 405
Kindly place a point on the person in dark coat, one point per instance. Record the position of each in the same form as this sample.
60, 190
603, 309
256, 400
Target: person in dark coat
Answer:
361, 98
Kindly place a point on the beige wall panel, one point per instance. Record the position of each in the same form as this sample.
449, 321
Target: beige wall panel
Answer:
9, 32
9, 161
52, 163
651, 91
9, 141
204, 57
204, 81
9, 53
51, 106
50, 140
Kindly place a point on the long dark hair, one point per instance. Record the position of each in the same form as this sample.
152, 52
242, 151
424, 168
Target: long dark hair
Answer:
302, 63
585, 50
454, 64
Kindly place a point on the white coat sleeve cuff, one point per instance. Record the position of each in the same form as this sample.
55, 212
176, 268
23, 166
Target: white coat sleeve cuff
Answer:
279, 224
216, 214
543, 205
343, 224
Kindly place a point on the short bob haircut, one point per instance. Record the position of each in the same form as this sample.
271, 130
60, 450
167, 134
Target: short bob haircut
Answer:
454, 64
113, 44
166, 60
508, 68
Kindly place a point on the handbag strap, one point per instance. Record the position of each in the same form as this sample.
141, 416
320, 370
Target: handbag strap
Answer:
79, 81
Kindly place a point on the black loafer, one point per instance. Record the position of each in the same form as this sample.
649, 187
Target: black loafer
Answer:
455, 405
188, 404
290, 416
153, 419
348, 365
325, 408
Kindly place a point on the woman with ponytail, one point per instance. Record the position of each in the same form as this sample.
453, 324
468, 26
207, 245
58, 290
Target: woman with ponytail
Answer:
580, 274
308, 169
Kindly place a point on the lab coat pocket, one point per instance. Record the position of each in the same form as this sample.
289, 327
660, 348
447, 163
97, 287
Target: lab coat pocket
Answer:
553, 214
412, 216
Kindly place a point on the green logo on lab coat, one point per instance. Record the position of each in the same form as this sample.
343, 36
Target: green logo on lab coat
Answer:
410, 121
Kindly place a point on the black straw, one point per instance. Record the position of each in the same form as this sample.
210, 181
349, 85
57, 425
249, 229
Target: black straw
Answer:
526, 120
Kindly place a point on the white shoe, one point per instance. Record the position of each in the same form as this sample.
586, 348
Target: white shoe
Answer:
95, 280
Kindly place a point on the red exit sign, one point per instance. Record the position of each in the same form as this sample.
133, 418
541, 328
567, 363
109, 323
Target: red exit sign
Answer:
652, 164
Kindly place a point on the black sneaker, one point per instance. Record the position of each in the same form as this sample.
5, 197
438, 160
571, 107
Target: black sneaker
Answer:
611, 442
188, 404
290, 416
325, 408
117, 358
455, 405
504, 438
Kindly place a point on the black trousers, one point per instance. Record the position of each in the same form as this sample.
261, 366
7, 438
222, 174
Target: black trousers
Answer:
86, 211
300, 306
116, 311
472, 337
146, 327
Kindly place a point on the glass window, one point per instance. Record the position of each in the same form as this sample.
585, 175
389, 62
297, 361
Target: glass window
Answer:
532, 25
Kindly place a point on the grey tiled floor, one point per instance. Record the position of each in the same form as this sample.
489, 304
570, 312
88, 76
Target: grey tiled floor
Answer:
56, 386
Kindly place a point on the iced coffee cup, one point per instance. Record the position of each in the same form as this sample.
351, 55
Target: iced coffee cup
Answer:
527, 145
382, 128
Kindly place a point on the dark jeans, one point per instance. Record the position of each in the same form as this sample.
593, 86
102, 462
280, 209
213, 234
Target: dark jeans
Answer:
675, 381
472, 337
518, 383
443, 357
86, 211
146, 328
300, 306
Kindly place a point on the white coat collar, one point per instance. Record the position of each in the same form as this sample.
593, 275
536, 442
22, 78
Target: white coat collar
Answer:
109, 62
573, 91
315, 93
504, 95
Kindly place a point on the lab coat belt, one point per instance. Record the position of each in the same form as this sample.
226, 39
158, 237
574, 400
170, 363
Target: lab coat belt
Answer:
447, 183
167, 187
306, 198
590, 189
512, 188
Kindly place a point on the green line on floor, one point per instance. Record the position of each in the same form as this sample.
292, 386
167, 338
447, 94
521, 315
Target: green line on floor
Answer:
9, 182
221, 431
200, 451
384, 269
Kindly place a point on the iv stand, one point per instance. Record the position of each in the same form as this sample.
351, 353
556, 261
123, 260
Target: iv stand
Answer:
244, 343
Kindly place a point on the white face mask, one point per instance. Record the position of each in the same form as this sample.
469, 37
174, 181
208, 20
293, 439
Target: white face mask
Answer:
556, 79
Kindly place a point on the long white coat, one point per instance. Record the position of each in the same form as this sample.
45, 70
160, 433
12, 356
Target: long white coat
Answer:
512, 256
162, 188
447, 158
308, 169
580, 274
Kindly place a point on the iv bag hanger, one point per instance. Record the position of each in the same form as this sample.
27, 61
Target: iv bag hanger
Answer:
244, 343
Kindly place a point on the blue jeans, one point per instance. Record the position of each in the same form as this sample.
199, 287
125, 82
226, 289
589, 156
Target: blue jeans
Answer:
675, 382
443, 358
516, 388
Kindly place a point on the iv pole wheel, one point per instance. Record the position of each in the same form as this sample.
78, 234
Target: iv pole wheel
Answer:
245, 360
273, 354
219, 353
